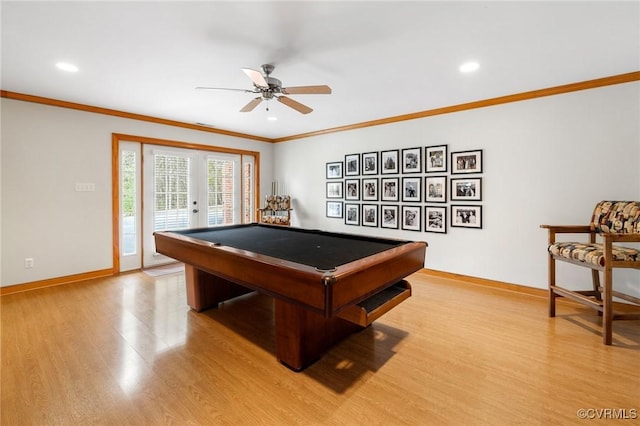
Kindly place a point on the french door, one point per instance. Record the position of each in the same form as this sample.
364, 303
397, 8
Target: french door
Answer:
186, 189
169, 186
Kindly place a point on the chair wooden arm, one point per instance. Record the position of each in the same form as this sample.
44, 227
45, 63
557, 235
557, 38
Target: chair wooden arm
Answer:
621, 238
567, 229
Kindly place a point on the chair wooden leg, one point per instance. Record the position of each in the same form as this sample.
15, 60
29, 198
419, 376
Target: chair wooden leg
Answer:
595, 279
552, 282
607, 312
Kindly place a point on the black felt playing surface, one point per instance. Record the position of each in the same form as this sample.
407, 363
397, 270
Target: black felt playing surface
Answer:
318, 249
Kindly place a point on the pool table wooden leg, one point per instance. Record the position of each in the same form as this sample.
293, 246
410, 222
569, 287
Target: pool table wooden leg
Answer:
302, 336
205, 290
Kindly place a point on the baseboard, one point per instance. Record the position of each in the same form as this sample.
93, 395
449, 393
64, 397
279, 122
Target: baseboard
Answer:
18, 288
518, 288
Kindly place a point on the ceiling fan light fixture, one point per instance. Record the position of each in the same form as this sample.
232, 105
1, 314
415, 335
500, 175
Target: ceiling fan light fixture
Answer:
468, 67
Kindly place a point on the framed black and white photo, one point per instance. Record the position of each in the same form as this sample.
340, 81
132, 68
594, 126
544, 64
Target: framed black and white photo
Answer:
389, 162
370, 189
466, 189
435, 219
435, 158
352, 189
466, 162
411, 189
466, 216
411, 218
352, 214
370, 163
389, 189
435, 189
334, 170
352, 165
412, 160
370, 215
389, 216
334, 189
334, 209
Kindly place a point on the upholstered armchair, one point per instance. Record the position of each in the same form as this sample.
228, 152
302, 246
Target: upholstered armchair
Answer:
612, 223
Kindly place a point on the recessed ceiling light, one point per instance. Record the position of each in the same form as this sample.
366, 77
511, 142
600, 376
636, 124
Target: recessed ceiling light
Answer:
272, 118
65, 66
469, 67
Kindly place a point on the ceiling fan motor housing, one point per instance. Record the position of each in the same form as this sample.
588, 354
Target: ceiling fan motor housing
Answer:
275, 85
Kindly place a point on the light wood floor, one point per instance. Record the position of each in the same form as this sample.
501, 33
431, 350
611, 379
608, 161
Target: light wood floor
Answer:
127, 350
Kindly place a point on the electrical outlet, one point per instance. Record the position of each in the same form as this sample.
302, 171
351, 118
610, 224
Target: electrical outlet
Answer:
28, 262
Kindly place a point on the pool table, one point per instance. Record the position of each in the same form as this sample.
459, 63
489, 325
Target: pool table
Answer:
325, 285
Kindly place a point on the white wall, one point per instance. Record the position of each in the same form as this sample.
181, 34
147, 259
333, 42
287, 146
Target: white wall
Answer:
546, 161
45, 151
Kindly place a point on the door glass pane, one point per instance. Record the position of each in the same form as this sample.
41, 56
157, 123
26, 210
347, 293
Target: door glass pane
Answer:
248, 208
171, 181
128, 202
220, 191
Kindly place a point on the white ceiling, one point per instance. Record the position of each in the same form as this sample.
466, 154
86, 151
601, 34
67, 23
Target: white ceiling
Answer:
382, 59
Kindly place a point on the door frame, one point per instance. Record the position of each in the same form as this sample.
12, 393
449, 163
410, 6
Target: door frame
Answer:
116, 138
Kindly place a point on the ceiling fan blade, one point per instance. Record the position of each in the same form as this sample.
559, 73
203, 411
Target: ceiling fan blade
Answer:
307, 90
256, 77
303, 109
251, 105
224, 88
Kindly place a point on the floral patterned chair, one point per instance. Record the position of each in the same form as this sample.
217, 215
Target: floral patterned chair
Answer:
277, 210
612, 222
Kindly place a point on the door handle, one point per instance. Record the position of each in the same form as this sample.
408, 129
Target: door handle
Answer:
195, 210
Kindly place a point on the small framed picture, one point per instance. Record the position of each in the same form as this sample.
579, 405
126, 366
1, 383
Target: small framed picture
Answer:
352, 214
411, 218
411, 189
352, 165
352, 189
435, 219
370, 163
411, 160
435, 189
435, 159
334, 170
370, 215
466, 216
334, 189
466, 162
388, 216
334, 209
390, 189
389, 162
466, 189
370, 189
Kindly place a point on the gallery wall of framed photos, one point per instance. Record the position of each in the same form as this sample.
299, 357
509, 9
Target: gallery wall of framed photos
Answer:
419, 189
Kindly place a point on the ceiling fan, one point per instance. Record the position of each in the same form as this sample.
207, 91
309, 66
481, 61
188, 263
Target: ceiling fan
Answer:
271, 88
